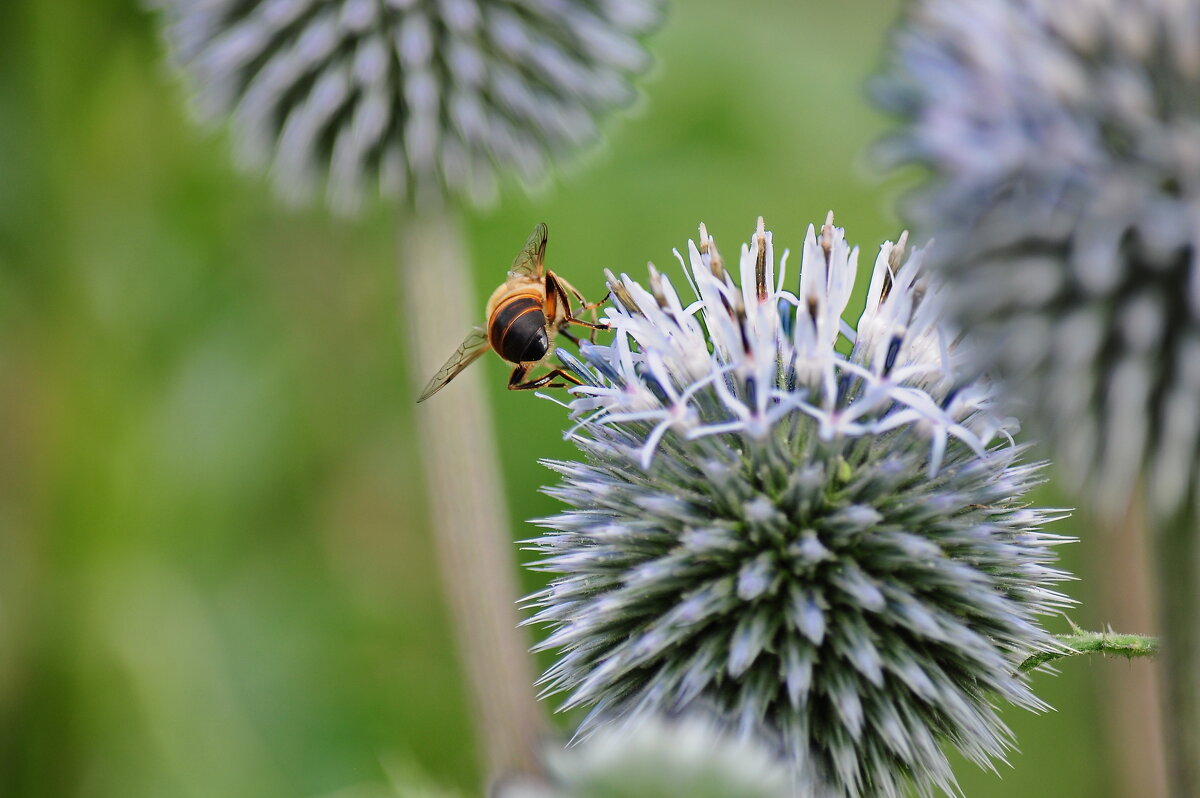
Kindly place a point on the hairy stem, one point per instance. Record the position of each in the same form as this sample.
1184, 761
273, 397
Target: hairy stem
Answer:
1128, 646
1122, 593
467, 512
1178, 549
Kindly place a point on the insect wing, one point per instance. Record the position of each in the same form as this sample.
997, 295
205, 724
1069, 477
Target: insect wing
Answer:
529, 262
475, 344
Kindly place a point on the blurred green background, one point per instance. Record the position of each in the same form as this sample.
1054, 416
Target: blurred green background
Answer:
215, 578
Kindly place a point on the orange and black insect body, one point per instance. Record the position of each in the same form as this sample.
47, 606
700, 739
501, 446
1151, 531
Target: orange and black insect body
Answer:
517, 329
524, 316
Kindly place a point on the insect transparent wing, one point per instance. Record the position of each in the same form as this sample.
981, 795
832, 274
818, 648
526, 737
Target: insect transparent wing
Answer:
474, 345
529, 262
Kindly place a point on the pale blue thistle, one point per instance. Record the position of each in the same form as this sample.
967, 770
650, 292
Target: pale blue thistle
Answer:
416, 97
818, 529
1064, 140
654, 757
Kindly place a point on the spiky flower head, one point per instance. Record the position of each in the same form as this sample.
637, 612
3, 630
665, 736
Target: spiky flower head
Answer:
419, 96
819, 529
1064, 140
688, 757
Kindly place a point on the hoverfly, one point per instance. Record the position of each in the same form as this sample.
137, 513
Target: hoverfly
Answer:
524, 315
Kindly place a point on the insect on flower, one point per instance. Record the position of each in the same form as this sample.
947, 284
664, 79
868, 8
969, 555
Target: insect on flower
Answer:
524, 315
815, 530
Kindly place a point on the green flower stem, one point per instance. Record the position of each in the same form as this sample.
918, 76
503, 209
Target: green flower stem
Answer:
1080, 642
1178, 580
468, 516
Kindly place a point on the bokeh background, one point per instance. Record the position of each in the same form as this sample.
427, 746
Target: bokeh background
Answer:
215, 574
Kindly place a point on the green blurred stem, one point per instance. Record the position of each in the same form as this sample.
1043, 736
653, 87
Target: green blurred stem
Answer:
467, 512
1178, 550
1080, 642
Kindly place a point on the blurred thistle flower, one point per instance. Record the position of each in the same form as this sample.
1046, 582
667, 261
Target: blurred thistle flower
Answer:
1064, 139
423, 96
833, 547
688, 757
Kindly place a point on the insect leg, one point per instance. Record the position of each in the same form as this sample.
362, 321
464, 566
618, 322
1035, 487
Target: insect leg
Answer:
584, 304
594, 305
593, 327
553, 296
518, 374
599, 326
554, 288
559, 285
574, 291
545, 381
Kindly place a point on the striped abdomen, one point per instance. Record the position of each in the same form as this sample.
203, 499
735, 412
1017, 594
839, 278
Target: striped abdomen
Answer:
517, 329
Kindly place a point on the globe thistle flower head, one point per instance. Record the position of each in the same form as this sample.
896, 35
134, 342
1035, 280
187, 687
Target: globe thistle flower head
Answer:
688, 757
1064, 141
816, 528
422, 97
